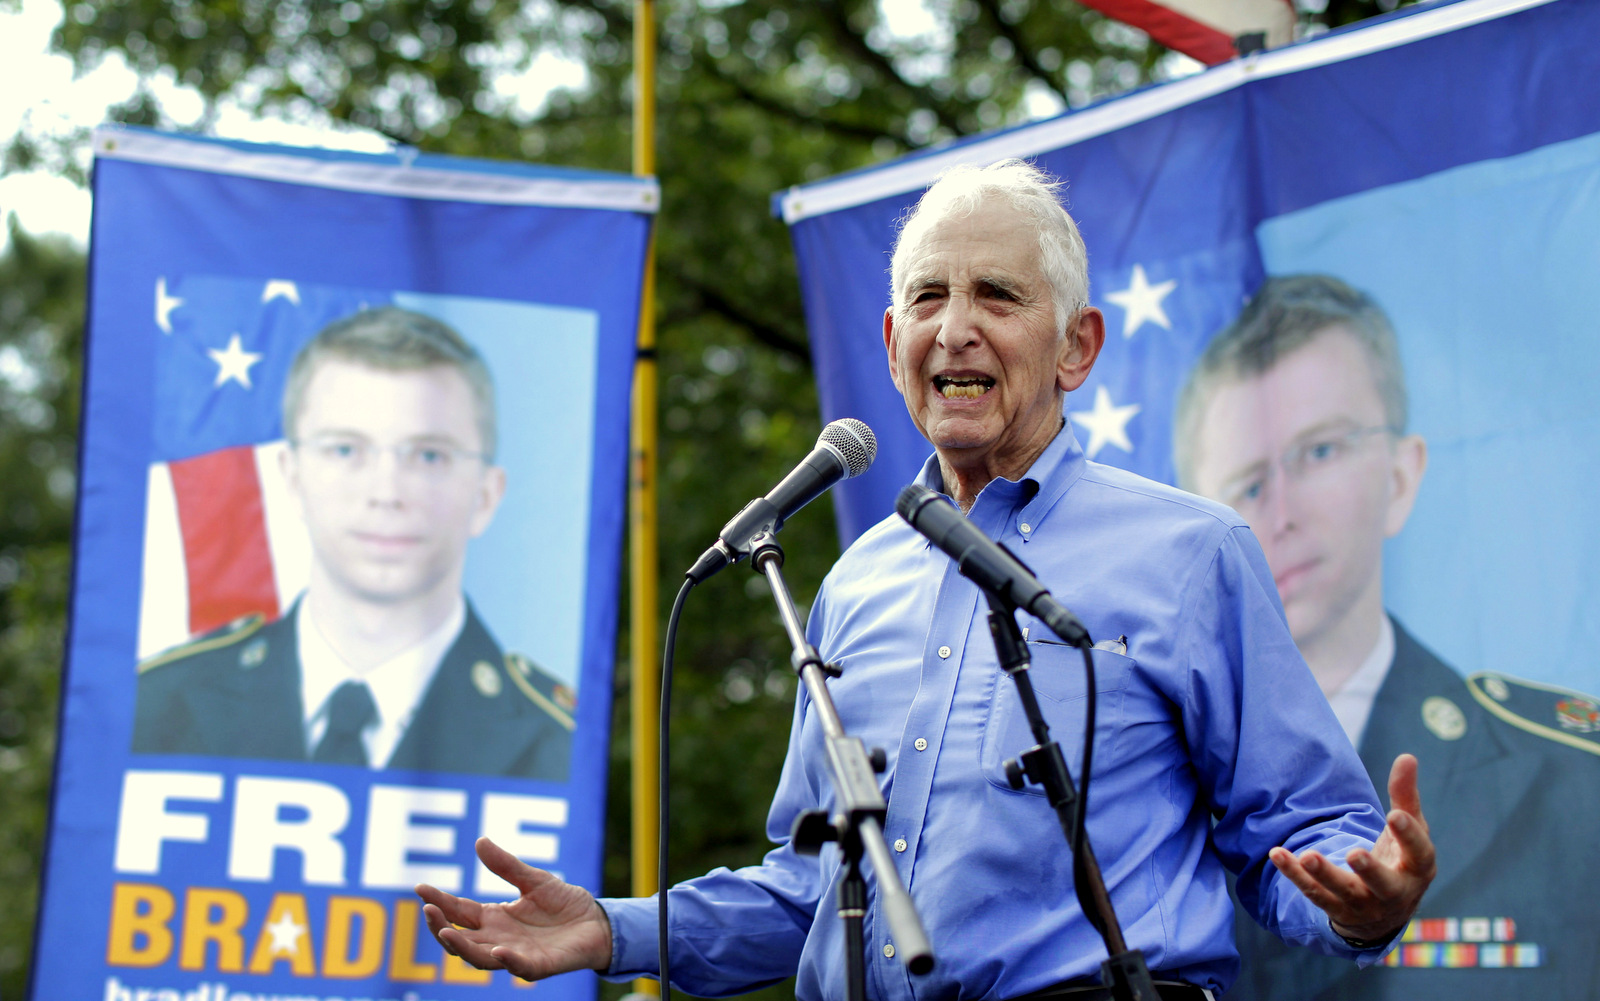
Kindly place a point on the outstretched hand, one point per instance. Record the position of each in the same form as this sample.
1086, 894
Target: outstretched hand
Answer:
552, 927
1375, 899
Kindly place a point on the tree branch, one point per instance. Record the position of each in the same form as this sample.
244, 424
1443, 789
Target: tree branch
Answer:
777, 107
856, 43
762, 331
1025, 54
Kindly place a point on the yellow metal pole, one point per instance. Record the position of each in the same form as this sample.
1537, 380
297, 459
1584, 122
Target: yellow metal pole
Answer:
643, 632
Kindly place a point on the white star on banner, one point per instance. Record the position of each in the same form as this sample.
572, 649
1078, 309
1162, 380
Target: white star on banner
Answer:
1141, 302
165, 304
233, 362
1107, 424
280, 289
285, 933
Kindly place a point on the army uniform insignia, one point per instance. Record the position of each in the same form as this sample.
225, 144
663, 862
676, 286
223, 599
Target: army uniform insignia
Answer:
486, 679
1455, 943
566, 698
1557, 714
237, 631
1443, 718
520, 664
558, 704
1578, 715
253, 654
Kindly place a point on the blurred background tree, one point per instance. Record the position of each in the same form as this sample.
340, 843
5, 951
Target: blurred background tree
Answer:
754, 96
41, 336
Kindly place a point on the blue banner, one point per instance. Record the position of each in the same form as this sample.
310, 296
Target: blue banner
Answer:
1438, 161
350, 516
1438, 171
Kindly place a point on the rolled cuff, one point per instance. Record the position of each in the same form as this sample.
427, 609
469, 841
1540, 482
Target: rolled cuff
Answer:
635, 949
1371, 953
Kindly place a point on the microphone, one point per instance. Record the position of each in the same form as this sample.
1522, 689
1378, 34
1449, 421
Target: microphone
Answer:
986, 562
844, 449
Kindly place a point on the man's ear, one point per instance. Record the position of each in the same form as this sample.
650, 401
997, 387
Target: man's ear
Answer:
491, 490
1079, 349
889, 349
1408, 461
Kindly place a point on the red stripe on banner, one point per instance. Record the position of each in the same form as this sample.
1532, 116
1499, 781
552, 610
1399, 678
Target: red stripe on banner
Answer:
1170, 28
224, 538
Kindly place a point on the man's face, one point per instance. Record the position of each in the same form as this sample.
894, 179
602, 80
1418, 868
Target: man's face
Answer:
1303, 454
386, 473
973, 343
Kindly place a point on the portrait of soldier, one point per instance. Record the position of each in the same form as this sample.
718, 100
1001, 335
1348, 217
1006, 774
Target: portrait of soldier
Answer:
1296, 417
381, 662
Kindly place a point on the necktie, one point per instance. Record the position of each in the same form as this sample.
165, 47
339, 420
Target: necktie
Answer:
350, 710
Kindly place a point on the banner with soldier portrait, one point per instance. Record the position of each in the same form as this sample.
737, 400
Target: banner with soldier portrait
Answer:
349, 529
1348, 286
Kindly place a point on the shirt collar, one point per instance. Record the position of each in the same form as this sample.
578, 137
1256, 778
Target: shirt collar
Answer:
1352, 701
1027, 500
397, 684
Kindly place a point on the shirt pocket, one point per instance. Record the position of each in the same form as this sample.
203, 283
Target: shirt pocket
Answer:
1059, 682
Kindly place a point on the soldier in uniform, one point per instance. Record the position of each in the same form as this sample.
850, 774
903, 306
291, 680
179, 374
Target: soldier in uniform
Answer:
1296, 417
382, 662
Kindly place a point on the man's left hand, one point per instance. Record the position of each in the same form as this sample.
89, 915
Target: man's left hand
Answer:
1383, 887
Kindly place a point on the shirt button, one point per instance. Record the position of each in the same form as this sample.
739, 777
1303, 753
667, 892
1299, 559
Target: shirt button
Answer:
888, 950
1026, 528
899, 844
944, 652
921, 745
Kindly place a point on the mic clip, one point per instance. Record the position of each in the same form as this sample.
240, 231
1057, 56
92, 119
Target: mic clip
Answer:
756, 524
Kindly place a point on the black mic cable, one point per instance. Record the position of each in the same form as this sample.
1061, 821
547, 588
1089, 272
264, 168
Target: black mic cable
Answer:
845, 449
661, 794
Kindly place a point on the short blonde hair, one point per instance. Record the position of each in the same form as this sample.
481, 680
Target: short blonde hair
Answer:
393, 340
1285, 314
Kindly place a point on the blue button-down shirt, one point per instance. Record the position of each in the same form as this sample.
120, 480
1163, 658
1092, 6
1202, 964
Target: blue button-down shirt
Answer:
1212, 745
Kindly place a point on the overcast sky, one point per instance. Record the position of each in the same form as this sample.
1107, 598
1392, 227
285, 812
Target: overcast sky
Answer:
38, 87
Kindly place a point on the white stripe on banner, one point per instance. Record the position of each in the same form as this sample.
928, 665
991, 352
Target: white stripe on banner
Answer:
624, 194
164, 598
286, 532
858, 189
164, 590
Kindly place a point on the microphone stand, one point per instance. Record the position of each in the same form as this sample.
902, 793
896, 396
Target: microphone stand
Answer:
857, 825
1125, 972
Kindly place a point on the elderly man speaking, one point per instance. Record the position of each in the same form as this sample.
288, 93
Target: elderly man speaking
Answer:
1212, 750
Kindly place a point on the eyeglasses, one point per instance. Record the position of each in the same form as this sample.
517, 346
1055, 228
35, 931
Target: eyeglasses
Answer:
348, 454
1303, 462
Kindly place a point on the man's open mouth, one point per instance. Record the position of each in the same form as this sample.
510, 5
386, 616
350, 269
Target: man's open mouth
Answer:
962, 387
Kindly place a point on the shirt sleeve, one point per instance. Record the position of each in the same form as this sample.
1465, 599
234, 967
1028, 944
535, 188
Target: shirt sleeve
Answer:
733, 931
1270, 755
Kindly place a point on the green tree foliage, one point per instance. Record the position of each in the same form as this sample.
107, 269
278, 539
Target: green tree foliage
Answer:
41, 323
754, 96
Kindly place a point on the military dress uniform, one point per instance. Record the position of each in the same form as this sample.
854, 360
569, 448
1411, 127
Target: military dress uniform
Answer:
1509, 775
235, 693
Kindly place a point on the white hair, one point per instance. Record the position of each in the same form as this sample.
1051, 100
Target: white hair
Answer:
961, 189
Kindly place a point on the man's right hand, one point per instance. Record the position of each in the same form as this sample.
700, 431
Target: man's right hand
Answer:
553, 927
